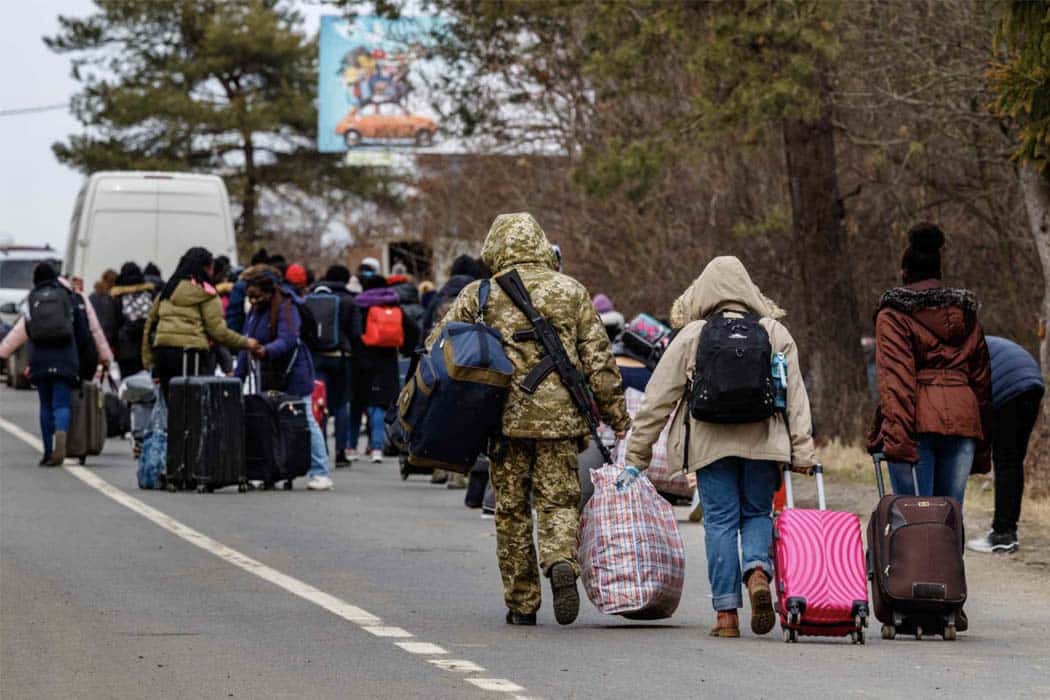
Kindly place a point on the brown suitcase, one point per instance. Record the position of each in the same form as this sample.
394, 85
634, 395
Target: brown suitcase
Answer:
87, 422
915, 562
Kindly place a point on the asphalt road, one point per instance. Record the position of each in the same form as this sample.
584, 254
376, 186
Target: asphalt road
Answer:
99, 600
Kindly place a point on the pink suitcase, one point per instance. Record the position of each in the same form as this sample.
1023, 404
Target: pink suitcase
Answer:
820, 576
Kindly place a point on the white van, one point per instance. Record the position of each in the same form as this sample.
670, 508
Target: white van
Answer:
146, 217
16, 274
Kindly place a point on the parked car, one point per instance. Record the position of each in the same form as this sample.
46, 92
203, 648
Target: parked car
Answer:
356, 128
16, 274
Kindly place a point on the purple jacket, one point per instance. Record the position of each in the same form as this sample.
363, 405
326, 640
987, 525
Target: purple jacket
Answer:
280, 349
384, 296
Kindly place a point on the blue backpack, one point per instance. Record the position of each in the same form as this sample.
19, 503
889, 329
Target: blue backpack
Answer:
453, 402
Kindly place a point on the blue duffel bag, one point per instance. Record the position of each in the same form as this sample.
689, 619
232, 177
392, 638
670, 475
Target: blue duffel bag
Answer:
453, 402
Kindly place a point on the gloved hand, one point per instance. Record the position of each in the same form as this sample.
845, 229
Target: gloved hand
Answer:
626, 478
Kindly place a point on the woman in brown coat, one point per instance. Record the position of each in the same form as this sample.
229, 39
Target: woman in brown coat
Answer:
934, 378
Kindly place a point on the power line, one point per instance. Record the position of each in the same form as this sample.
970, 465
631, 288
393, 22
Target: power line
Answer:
31, 110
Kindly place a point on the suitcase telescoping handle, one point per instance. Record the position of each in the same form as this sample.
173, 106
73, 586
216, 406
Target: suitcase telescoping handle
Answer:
816, 470
878, 458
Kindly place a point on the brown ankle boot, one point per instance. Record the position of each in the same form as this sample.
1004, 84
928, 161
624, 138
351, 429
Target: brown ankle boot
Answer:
728, 624
762, 616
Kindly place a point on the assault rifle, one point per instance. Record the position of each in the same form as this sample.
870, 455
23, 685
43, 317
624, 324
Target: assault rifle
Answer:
555, 359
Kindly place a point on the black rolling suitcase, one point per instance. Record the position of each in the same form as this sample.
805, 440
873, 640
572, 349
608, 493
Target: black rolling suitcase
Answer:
915, 562
277, 436
205, 434
87, 422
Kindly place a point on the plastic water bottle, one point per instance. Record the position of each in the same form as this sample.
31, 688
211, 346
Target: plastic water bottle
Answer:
780, 381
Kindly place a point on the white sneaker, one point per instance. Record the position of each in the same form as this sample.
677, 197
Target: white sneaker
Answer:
994, 543
319, 483
377, 456
351, 455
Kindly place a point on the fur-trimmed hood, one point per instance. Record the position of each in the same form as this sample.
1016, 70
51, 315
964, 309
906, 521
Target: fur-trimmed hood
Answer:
121, 290
948, 313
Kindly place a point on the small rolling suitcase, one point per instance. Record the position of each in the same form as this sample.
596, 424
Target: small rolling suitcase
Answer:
205, 434
915, 562
818, 556
277, 444
118, 411
87, 422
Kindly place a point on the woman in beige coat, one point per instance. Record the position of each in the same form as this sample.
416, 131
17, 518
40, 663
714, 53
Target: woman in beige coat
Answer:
737, 465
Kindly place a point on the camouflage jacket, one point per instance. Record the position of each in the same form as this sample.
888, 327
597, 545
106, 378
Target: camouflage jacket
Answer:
517, 241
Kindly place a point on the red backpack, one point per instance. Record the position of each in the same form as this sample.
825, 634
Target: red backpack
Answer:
383, 327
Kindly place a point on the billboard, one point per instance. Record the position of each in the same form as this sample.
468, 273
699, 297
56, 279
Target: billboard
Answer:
370, 88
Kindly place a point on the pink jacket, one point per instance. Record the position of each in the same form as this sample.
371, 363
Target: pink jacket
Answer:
18, 335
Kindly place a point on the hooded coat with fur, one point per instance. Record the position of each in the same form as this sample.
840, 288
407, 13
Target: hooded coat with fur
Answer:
933, 371
517, 241
724, 285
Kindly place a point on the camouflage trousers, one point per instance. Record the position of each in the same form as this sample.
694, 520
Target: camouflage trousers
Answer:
547, 471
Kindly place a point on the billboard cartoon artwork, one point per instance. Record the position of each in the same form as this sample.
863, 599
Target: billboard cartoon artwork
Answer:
366, 95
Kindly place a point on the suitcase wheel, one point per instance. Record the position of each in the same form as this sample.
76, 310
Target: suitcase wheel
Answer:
82, 460
857, 635
889, 631
790, 635
918, 633
205, 488
288, 485
242, 487
949, 633
171, 487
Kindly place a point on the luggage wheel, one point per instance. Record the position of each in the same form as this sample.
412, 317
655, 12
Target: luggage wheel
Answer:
171, 487
949, 631
889, 631
857, 635
918, 633
242, 487
288, 485
201, 488
82, 460
790, 635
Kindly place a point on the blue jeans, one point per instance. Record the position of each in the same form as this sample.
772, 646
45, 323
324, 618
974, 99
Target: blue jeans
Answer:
376, 426
943, 468
56, 399
737, 498
318, 453
335, 373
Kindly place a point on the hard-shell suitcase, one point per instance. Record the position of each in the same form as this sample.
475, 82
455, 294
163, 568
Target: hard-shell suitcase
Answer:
205, 434
915, 562
87, 422
118, 411
277, 438
818, 556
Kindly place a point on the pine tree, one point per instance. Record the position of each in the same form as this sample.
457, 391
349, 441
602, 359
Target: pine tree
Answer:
224, 86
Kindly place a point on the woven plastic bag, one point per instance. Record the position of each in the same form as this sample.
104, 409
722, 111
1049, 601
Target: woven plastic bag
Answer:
631, 552
154, 447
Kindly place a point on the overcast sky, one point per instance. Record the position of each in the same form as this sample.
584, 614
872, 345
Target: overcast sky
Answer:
36, 192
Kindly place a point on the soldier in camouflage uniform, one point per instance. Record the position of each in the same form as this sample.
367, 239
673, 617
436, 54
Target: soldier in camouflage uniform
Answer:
543, 430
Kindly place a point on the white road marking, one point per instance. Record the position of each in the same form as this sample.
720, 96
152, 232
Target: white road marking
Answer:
425, 648
387, 631
496, 685
338, 607
461, 665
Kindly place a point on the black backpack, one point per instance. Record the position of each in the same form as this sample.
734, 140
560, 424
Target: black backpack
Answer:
50, 318
733, 380
323, 305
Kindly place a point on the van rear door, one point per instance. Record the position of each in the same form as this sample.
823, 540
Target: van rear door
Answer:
191, 212
122, 227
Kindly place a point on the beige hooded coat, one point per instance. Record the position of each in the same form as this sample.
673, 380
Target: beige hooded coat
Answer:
724, 285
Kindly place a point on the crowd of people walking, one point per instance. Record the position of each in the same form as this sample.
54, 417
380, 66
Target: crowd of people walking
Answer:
950, 402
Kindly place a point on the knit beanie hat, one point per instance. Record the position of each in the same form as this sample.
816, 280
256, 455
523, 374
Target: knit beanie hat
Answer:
922, 257
602, 303
296, 274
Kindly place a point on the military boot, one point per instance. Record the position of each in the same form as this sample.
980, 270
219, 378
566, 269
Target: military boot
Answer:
566, 597
58, 455
520, 618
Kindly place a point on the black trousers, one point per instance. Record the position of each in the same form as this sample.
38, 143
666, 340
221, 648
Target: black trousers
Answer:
1013, 426
169, 363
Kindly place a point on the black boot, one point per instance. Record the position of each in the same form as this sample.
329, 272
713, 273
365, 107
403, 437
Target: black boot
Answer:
520, 618
566, 597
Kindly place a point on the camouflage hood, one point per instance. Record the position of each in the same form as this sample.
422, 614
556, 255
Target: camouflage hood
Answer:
516, 239
725, 282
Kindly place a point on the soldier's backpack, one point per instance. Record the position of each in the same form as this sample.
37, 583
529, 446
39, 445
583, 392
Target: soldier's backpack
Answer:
453, 401
323, 306
50, 315
733, 379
